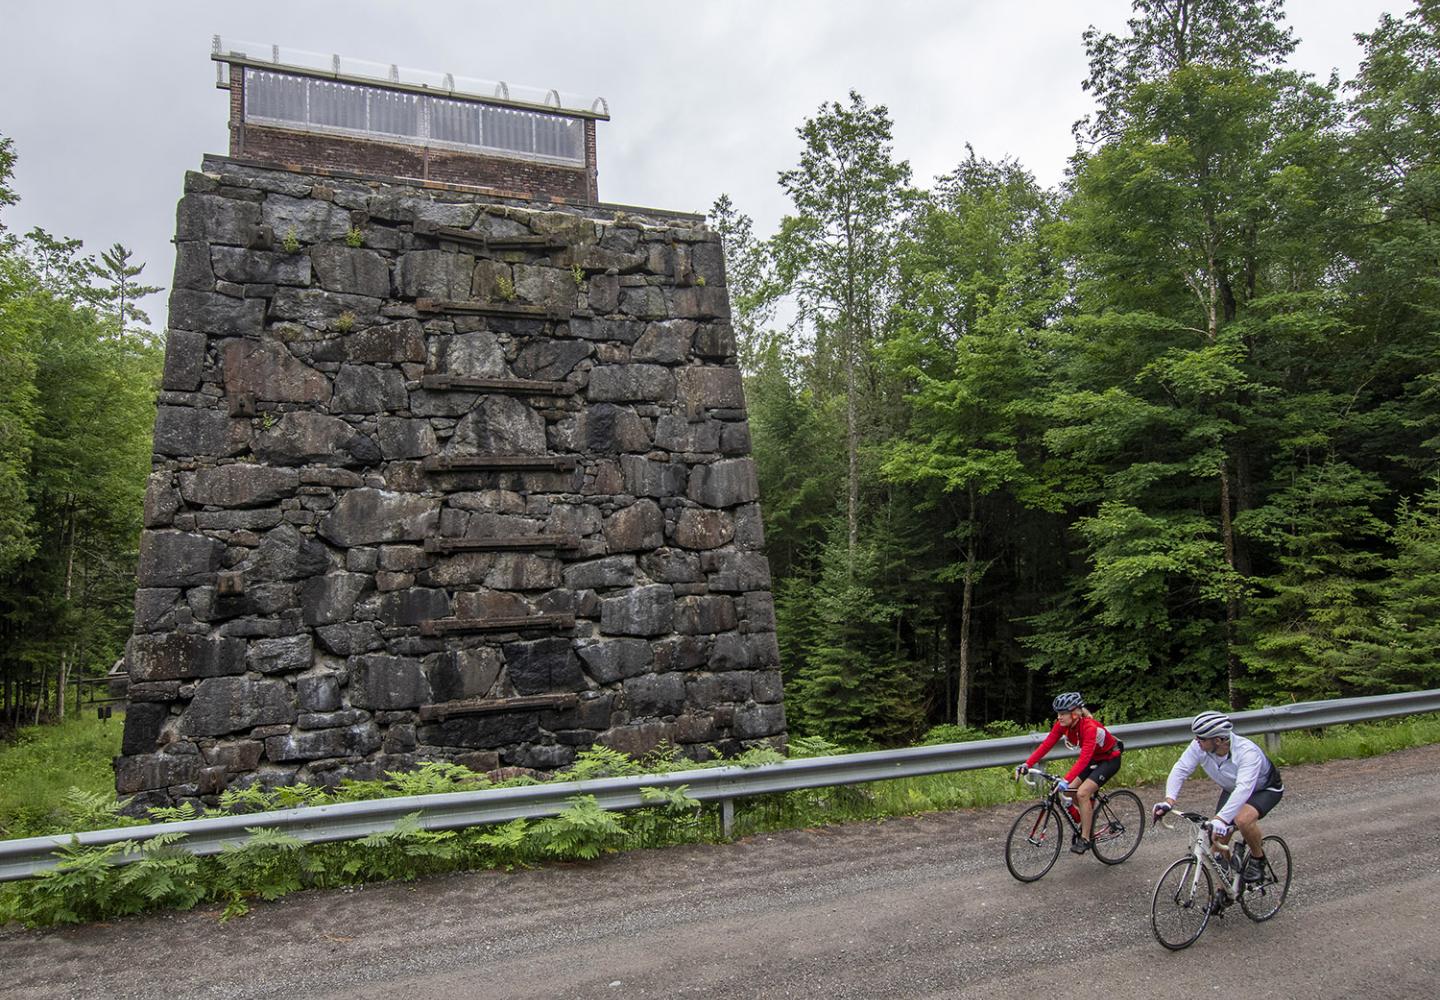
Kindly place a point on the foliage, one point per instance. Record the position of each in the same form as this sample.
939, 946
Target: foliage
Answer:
505, 288
355, 237
290, 242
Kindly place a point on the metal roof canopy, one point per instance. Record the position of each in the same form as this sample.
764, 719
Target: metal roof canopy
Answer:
393, 77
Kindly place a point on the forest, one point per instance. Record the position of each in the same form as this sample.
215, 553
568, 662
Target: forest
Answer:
1166, 433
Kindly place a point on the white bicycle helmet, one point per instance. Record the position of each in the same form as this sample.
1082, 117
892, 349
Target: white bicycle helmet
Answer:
1209, 724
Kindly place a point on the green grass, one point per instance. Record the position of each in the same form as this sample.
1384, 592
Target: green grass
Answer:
57, 779
39, 770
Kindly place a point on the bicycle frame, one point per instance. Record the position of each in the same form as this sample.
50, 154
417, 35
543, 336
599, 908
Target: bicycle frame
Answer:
1051, 794
1230, 881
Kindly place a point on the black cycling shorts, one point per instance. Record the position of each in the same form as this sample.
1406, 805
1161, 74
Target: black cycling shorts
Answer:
1099, 772
1263, 799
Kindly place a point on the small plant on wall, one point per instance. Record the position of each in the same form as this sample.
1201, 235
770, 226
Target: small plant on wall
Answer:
290, 243
578, 273
505, 288
345, 322
355, 237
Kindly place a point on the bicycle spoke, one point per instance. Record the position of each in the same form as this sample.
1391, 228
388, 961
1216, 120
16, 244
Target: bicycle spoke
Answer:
1182, 904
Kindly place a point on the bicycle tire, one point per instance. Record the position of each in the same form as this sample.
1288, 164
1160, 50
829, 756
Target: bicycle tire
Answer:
1034, 842
1180, 900
1118, 826
1263, 900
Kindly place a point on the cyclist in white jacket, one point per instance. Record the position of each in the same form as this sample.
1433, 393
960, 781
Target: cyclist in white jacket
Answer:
1250, 784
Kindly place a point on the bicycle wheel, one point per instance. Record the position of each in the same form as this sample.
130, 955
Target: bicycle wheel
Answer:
1264, 899
1034, 842
1119, 825
1181, 906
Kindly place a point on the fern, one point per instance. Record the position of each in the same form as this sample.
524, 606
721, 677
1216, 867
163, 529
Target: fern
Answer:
582, 830
758, 757
434, 777
599, 762
270, 864
814, 746
82, 810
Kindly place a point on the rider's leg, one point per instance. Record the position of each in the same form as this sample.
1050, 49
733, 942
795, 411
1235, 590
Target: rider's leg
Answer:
1085, 800
1247, 821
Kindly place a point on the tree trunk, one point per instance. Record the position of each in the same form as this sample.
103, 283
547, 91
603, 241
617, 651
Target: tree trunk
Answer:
967, 602
1232, 602
852, 448
66, 657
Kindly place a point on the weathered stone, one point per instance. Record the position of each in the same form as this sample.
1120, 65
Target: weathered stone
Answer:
351, 741
613, 571
252, 267
155, 608
367, 516
279, 656
142, 727
655, 694
737, 572
702, 302
732, 651
611, 660
307, 219
550, 360
435, 274
672, 566
228, 704
666, 343
477, 354
184, 361
351, 270
459, 570
286, 554
715, 340
365, 389
703, 388
239, 755
329, 599
303, 436
704, 615
215, 315
768, 687
349, 638
703, 529
523, 571
543, 666
483, 731
413, 606
705, 690
640, 611
724, 483
609, 429
192, 266
499, 425
708, 262
184, 431
213, 219
645, 302
638, 526
160, 770
178, 559
267, 369
319, 692
463, 673
388, 682
238, 485
392, 342
161, 500
313, 309
631, 383
755, 721
604, 293
547, 286
638, 739
619, 331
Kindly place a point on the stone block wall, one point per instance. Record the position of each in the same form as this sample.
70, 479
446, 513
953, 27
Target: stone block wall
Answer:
440, 475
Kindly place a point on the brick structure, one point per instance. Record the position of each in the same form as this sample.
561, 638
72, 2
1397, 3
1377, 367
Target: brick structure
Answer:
441, 473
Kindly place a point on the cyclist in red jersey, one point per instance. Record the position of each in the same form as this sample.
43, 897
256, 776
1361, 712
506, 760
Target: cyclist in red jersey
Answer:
1098, 762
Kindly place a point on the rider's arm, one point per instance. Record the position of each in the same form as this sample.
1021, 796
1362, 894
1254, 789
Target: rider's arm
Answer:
1050, 740
1087, 750
1184, 767
1249, 766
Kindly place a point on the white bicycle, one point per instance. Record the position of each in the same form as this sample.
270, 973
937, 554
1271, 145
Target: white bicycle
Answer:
1200, 886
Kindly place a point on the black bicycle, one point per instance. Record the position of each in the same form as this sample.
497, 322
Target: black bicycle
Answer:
1187, 896
1039, 832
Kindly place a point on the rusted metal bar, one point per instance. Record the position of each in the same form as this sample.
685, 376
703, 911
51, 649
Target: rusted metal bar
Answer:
508, 309
500, 543
512, 463
517, 386
491, 706
498, 623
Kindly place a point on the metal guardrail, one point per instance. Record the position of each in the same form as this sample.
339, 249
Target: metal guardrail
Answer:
26, 858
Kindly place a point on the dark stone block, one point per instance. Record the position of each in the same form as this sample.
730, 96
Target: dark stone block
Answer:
142, 727
755, 721
393, 342
184, 361
268, 370
550, 360
319, 692
642, 611
543, 757
302, 436
737, 572
655, 695
229, 704
631, 383
286, 554
482, 731
183, 431
611, 429
216, 315
463, 673
543, 666
331, 598
704, 615
666, 343
252, 267
332, 720
151, 771
155, 608
715, 340
637, 527
367, 516
724, 483
238, 485
209, 218
672, 566
768, 687
644, 478
352, 741
388, 682
412, 606
681, 653
351, 270
363, 389
435, 274
279, 656
611, 660
192, 266
612, 571
349, 638
176, 656
703, 529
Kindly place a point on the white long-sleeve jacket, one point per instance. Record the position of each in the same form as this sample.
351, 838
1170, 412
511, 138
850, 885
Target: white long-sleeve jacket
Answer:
1240, 772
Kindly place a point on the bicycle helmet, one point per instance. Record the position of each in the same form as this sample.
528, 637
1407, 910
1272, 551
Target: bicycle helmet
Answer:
1067, 702
1209, 724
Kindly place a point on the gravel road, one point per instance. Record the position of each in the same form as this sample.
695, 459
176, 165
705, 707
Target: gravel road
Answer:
908, 908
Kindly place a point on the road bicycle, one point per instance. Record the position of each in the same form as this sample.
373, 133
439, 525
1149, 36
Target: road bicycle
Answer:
1186, 897
1039, 832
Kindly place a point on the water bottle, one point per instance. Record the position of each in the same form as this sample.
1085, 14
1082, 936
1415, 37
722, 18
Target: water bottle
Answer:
1069, 803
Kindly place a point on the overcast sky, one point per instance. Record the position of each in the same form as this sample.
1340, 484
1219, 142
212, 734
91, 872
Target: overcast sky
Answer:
109, 103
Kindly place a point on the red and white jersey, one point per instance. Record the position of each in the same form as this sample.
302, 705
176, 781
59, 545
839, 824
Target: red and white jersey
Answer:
1096, 743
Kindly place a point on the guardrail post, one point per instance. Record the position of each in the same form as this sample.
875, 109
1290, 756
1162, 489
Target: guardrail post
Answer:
727, 818
1272, 744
